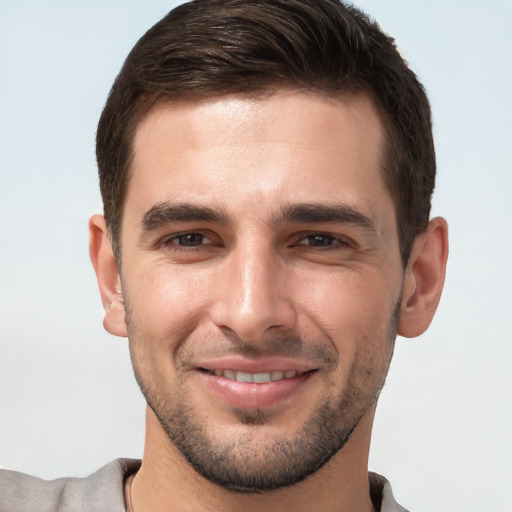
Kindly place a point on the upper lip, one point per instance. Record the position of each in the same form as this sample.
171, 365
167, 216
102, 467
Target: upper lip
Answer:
257, 365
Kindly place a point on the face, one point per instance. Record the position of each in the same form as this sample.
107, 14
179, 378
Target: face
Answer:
261, 278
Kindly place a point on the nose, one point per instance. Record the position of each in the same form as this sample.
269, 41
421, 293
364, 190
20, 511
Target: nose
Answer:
252, 296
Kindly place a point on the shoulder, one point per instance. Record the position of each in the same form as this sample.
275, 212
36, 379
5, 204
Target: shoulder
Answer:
103, 490
382, 494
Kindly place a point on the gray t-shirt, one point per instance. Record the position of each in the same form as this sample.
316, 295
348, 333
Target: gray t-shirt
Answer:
103, 491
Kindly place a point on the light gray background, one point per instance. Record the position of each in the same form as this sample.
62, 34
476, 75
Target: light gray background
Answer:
68, 401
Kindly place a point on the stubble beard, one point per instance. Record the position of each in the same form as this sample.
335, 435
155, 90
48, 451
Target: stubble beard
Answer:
241, 466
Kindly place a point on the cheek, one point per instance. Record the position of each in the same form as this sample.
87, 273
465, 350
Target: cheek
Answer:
345, 296
356, 320
166, 302
352, 309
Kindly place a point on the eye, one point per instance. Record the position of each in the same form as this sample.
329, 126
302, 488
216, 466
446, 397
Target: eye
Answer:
318, 240
322, 240
188, 240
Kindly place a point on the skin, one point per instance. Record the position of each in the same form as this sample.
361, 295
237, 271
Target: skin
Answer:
260, 281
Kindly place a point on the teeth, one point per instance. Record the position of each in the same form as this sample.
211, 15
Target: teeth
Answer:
258, 378
261, 377
229, 374
243, 377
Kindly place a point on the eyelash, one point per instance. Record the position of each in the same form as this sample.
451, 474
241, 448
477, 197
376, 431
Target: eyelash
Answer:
334, 242
171, 242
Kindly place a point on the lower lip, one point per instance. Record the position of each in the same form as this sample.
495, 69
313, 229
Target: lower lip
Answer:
254, 396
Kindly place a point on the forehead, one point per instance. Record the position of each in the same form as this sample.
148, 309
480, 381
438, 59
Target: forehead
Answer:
283, 148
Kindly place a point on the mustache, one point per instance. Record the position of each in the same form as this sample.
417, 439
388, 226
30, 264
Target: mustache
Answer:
270, 346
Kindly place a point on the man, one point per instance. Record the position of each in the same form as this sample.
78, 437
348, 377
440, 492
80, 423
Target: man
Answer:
266, 169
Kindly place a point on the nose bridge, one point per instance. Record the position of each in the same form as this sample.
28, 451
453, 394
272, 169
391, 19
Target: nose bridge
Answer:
254, 298
256, 267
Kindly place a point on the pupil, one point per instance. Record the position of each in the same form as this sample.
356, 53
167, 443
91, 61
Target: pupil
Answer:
320, 240
191, 239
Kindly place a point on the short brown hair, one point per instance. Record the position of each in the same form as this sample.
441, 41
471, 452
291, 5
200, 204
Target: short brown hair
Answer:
207, 48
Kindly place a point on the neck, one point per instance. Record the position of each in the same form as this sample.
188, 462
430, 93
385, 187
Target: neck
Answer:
167, 482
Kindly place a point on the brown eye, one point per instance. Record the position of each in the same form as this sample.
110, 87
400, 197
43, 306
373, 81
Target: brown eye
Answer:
319, 240
323, 240
189, 239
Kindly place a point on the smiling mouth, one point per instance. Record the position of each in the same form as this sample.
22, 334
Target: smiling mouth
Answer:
264, 386
257, 378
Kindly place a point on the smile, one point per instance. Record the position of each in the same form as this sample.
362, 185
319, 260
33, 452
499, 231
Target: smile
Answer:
258, 378
256, 389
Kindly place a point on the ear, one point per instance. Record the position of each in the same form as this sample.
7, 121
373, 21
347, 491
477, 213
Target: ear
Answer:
424, 279
109, 279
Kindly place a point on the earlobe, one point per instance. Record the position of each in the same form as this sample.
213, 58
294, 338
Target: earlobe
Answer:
424, 279
107, 274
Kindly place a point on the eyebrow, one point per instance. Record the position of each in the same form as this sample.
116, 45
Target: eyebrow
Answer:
164, 213
322, 213
167, 212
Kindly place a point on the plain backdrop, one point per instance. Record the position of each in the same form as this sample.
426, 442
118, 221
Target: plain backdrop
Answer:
68, 400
